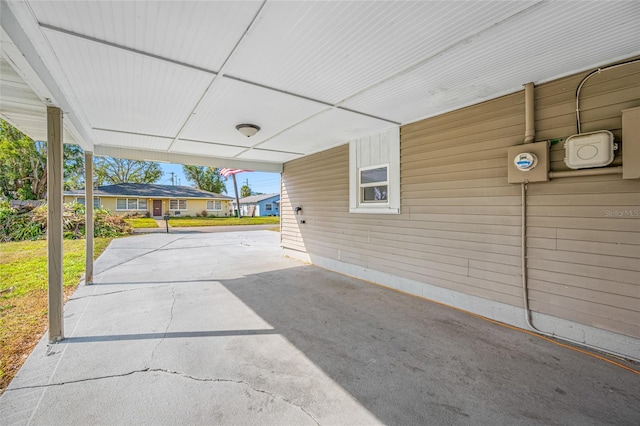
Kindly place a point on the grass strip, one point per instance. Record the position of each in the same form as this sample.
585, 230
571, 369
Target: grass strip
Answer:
142, 222
222, 221
23, 296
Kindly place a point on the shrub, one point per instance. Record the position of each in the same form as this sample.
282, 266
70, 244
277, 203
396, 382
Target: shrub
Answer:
32, 224
18, 225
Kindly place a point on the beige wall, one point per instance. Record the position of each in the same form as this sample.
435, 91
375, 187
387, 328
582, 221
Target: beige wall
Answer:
194, 206
459, 226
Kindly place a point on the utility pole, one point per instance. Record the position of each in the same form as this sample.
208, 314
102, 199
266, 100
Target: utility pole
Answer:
172, 177
235, 186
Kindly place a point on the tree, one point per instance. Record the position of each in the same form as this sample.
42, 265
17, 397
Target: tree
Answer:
110, 170
245, 191
23, 165
23, 171
73, 167
205, 178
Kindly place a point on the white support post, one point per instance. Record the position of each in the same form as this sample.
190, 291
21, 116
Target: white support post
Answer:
88, 204
54, 223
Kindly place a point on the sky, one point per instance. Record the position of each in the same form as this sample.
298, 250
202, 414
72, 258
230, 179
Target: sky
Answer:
267, 183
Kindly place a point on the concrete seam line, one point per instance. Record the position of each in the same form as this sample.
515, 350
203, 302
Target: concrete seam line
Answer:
139, 256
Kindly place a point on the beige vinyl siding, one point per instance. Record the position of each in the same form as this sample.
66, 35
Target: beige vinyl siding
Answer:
459, 226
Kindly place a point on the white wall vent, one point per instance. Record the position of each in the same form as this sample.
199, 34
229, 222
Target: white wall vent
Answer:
595, 149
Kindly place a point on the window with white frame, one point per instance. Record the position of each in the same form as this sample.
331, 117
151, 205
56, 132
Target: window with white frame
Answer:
96, 202
214, 205
131, 204
268, 207
374, 173
177, 204
374, 184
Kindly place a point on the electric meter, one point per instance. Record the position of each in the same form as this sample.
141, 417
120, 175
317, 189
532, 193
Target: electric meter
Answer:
525, 161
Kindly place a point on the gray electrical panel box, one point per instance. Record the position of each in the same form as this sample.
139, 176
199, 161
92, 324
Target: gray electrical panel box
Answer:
631, 143
528, 163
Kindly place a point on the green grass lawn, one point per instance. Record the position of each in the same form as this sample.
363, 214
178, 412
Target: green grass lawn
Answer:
23, 297
222, 221
142, 222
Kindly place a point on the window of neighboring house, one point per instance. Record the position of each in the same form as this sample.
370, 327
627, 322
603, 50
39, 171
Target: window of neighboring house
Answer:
268, 207
177, 204
214, 205
131, 204
374, 173
96, 202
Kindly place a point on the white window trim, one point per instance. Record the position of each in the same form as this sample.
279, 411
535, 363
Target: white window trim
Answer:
186, 205
214, 204
137, 209
95, 200
392, 206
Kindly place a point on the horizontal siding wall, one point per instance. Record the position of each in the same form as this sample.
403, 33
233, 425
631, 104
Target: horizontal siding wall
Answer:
584, 239
459, 226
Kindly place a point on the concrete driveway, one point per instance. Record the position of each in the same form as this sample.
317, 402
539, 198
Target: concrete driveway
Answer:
219, 328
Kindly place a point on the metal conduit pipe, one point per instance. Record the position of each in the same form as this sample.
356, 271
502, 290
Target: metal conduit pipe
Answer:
525, 289
587, 172
587, 77
529, 111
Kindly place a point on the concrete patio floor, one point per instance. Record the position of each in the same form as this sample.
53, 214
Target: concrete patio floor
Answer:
219, 328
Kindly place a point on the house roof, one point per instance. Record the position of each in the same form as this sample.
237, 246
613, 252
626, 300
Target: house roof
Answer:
142, 80
257, 198
150, 190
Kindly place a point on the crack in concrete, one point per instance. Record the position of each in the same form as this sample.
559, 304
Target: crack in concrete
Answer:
176, 373
116, 292
173, 304
70, 382
239, 382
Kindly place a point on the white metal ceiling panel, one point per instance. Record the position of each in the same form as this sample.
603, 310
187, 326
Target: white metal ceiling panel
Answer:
553, 40
266, 155
206, 149
123, 91
197, 33
21, 107
333, 50
231, 102
325, 130
132, 140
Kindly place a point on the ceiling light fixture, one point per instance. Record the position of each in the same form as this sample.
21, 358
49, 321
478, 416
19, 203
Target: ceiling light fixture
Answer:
247, 130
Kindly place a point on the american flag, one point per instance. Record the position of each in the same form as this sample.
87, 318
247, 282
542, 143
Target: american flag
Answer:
228, 172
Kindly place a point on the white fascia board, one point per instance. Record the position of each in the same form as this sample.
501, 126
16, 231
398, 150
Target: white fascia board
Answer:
20, 33
193, 160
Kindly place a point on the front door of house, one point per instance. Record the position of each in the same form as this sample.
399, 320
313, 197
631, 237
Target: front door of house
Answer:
157, 208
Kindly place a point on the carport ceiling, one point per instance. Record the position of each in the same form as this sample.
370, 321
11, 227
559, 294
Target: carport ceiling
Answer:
171, 80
